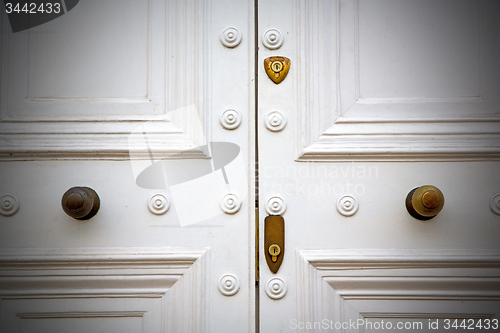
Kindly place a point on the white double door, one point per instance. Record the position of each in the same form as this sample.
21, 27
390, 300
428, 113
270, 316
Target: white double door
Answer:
135, 99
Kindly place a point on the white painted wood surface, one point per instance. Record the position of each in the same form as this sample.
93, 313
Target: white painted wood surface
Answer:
381, 97
93, 99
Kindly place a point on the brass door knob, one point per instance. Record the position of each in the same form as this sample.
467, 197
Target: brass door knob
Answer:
81, 203
424, 202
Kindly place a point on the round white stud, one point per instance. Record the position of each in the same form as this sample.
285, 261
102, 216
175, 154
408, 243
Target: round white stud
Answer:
495, 203
230, 119
347, 205
272, 39
229, 285
158, 204
8, 205
276, 288
275, 121
230, 203
275, 206
230, 37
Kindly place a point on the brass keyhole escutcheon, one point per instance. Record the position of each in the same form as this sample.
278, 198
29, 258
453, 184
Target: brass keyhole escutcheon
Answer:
274, 241
274, 251
277, 68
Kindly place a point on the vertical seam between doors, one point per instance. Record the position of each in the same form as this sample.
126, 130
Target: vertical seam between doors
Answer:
256, 163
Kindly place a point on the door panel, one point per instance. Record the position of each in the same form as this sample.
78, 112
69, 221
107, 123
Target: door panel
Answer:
370, 73
401, 287
106, 76
381, 97
126, 98
146, 289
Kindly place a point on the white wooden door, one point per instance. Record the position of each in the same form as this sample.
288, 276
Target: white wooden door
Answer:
381, 97
132, 99
135, 99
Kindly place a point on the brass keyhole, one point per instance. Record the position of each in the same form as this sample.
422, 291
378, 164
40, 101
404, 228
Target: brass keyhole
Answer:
274, 251
277, 66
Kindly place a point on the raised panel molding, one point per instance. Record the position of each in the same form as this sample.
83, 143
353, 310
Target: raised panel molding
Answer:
165, 287
335, 121
178, 77
343, 285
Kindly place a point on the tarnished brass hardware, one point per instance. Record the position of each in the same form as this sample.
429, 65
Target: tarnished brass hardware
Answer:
424, 202
274, 251
274, 241
81, 203
277, 68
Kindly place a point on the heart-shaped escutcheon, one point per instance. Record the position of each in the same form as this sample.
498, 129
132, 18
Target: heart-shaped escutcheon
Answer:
277, 68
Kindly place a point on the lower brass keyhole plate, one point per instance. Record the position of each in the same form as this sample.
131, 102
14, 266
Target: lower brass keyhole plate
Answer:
274, 241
